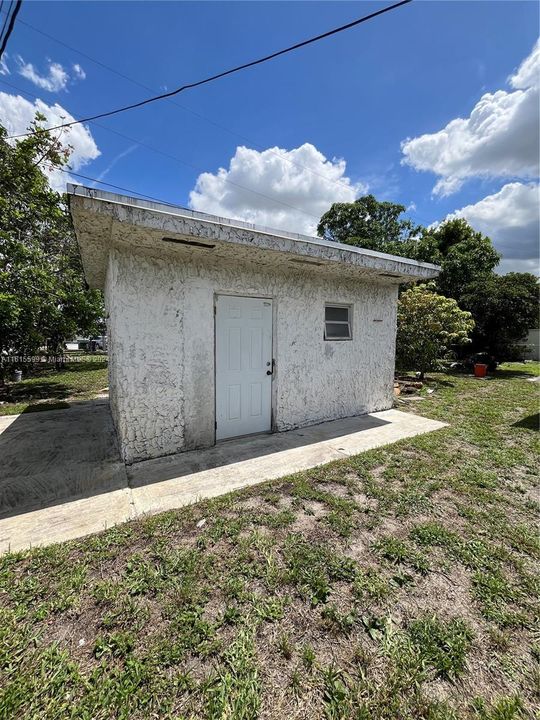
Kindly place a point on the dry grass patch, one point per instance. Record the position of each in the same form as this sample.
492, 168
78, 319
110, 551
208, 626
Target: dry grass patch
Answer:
400, 583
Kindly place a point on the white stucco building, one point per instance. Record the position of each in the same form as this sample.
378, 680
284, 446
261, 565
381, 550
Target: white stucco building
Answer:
219, 329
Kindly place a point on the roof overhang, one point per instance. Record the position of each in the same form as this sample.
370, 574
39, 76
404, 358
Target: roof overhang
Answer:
104, 220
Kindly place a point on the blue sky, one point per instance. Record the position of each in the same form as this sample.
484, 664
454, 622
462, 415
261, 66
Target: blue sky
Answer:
355, 97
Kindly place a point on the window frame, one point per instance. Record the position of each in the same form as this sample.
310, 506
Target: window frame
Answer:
347, 322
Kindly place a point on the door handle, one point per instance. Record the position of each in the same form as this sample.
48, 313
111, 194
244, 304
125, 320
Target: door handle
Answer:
271, 372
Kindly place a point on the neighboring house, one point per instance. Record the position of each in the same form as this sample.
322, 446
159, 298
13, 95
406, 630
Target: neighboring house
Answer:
94, 343
217, 328
532, 345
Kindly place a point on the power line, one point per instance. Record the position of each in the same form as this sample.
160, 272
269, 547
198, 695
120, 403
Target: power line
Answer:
11, 25
187, 109
225, 73
171, 157
123, 189
6, 19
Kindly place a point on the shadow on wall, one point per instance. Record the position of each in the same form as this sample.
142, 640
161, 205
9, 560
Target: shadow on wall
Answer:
51, 456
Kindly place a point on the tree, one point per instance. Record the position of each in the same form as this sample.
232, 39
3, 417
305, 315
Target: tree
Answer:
43, 295
428, 326
505, 307
464, 255
370, 224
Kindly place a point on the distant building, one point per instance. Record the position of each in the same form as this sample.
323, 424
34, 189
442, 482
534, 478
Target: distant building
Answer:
532, 343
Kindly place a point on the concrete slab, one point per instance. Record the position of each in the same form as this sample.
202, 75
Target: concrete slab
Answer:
172, 482
55, 455
65, 521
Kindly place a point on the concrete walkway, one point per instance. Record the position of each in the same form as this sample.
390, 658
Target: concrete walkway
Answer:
54, 455
172, 482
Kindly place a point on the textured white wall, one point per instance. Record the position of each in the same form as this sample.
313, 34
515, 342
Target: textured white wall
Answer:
161, 325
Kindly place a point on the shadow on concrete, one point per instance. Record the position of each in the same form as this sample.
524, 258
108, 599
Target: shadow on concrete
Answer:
52, 456
531, 422
238, 450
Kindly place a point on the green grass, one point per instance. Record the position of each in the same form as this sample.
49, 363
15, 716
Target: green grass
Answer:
49, 389
400, 583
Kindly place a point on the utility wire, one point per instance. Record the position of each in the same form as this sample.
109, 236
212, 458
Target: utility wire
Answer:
172, 157
187, 109
6, 19
11, 25
123, 189
236, 69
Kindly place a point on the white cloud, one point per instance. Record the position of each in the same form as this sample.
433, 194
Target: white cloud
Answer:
16, 114
4, 70
79, 72
510, 218
55, 80
291, 189
499, 138
528, 73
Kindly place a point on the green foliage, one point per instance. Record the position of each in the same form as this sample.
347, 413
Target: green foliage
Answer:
443, 646
428, 326
369, 585
234, 692
313, 568
464, 255
399, 552
370, 224
43, 296
195, 630
504, 308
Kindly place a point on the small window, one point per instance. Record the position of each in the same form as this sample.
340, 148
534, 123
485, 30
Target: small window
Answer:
337, 322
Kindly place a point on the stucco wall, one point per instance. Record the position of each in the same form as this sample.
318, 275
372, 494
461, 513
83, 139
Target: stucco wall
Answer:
161, 330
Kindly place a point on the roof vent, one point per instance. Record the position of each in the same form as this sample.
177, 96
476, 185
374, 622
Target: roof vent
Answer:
305, 262
192, 243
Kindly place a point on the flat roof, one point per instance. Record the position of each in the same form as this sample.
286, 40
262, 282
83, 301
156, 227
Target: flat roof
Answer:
85, 203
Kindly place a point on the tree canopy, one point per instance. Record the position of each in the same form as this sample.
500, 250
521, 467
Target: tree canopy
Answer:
504, 308
368, 223
429, 325
44, 299
464, 254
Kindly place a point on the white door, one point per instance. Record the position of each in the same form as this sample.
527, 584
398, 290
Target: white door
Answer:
243, 365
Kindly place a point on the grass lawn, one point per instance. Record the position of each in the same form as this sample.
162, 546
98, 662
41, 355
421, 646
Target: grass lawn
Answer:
49, 389
398, 584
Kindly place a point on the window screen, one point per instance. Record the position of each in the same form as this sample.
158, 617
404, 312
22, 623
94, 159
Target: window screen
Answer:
337, 322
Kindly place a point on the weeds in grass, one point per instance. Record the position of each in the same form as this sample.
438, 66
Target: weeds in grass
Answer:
443, 646
336, 693
284, 646
370, 585
336, 620
313, 568
234, 691
177, 616
496, 597
506, 708
118, 644
308, 657
400, 552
